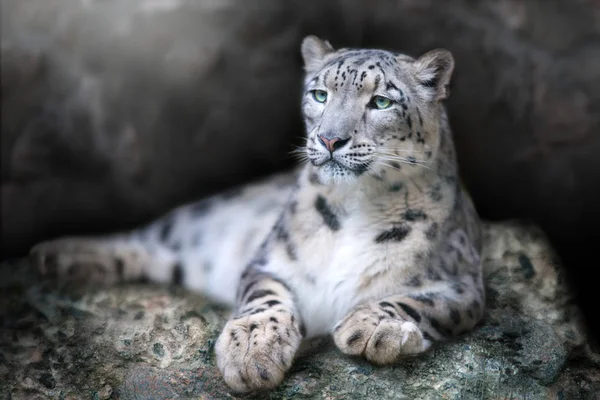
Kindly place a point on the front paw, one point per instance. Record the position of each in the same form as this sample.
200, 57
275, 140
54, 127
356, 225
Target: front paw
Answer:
381, 336
254, 352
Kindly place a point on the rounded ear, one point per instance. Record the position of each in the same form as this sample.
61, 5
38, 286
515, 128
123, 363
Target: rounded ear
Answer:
314, 51
433, 71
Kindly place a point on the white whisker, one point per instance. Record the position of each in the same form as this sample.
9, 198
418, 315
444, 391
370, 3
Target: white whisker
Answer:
387, 165
406, 161
371, 169
393, 150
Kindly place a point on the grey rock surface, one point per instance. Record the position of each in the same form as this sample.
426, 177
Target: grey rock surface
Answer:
142, 341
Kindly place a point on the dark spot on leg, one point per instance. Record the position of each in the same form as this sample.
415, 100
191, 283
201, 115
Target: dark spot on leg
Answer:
290, 249
273, 319
120, 268
424, 298
264, 374
177, 277
411, 312
354, 337
435, 324
396, 234
428, 336
249, 286
302, 329
386, 304
378, 340
253, 327
476, 307
455, 316
258, 294
272, 303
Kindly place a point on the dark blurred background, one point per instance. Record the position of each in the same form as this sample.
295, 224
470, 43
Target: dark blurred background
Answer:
113, 111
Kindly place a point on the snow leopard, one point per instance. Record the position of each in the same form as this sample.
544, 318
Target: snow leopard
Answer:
371, 238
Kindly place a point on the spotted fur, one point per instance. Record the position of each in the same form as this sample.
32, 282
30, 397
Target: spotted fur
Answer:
371, 240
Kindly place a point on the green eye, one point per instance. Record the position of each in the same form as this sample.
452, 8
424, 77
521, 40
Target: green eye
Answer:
381, 102
319, 95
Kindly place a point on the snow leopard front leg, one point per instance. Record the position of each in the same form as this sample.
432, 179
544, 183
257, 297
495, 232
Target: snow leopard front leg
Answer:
407, 324
258, 344
448, 300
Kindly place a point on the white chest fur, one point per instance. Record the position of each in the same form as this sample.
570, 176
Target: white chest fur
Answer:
328, 273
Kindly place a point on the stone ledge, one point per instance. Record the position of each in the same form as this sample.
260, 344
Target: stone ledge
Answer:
140, 341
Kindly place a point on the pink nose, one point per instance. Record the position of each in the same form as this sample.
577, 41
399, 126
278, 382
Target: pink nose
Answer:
332, 144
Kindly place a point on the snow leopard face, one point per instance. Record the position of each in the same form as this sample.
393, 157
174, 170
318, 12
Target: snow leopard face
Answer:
372, 112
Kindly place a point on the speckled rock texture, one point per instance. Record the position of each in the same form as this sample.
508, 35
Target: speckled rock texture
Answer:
142, 341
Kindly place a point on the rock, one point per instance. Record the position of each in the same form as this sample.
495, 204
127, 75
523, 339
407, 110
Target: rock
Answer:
141, 341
